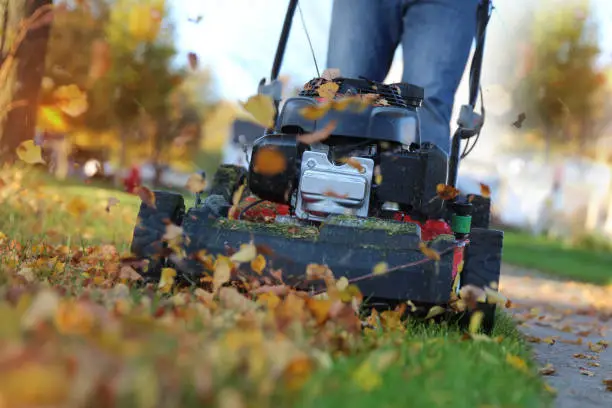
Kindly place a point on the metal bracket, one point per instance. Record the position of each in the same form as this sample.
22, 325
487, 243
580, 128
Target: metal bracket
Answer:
469, 122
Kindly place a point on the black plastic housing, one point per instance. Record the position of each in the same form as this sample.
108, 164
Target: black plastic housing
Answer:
277, 187
410, 178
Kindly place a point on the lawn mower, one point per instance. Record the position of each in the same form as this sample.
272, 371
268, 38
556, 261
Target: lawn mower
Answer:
369, 193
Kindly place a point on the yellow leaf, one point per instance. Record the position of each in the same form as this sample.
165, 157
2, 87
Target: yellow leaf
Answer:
71, 100
262, 109
247, 253
52, 119
435, 311
235, 201
328, 90
476, 321
144, 22
429, 252
73, 318
342, 284
366, 378
196, 183
380, 268
167, 279
30, 153
269, 299
496, 297
315, 112
258, 264
517, 362
222, 272
319, 308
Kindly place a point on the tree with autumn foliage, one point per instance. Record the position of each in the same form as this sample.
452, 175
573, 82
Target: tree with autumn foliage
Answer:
561, 91
23, 46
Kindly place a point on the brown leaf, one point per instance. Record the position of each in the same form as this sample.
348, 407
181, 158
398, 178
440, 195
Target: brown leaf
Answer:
192, 57
317, 271
100, 59
330, 74
608, 384
319, 135
548, 369
429, 252
518, 123
446, 192
112, 201
269, 161
586, 372
146, 195
127, 272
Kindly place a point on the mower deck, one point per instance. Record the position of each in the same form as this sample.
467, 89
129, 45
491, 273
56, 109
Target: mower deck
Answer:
348, 246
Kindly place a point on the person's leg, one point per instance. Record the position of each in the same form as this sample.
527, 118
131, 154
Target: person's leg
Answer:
436, 44
363, 37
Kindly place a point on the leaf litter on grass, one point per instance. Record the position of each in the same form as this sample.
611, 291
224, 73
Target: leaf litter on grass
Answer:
109, 336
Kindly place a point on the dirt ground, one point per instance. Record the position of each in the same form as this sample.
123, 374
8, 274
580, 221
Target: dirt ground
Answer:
570, 326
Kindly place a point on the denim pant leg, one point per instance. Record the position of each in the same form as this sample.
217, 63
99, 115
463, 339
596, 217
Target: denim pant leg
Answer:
436, 42
364, 35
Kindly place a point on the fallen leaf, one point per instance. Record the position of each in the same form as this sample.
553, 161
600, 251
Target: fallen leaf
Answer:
319, 135
246, 253
476, 321
354, 163
380, 268
128, 273
435, 311
262, 109
76, 207
586, 372
517, 362
596, 347
593, 364
578, 341
30, 153
196, 183
269, 161
446, 192
146, 195
222, 272
429, 252
485, 191
584, 356
608, 384
258, 264
548, 369
328, 90
167, 279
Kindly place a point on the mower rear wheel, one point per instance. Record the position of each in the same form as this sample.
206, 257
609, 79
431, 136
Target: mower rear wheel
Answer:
147, 242
482, 268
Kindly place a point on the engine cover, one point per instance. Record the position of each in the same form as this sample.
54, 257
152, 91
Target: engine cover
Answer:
325, 188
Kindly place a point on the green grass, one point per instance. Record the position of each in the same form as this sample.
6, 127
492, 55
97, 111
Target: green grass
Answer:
555, 257
434, 365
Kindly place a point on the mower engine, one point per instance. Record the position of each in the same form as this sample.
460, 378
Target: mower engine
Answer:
342, 174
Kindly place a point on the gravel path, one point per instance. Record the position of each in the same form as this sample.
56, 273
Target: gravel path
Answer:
570, 326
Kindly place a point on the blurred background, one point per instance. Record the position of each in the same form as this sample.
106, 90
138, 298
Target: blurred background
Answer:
150, 90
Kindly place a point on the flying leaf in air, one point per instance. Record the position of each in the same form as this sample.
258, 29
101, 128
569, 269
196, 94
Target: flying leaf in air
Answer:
380, 268
100, 59
192, 57
167, 279
222, 272
319, 135
330, 74
435, 311
71, 100
146, 195
485, 190
196, 183
315, 111
30, 153
269, 161
246, 253
518, 123
258, 264
261, 107
446, 192
429, 252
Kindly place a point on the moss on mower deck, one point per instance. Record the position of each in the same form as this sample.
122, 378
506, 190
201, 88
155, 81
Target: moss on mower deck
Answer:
281, 229
391, 227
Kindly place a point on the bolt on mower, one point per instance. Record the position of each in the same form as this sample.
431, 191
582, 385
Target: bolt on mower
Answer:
344, 180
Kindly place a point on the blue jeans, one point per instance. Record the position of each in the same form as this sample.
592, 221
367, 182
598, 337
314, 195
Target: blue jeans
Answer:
436, 38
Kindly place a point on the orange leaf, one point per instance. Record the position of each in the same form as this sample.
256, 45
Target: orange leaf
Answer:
446, 192
258, 264
333, 194
319, 308
100, 59
316, 271
485, 190
269, 161
71, 100
146, 195
429, 252
319, 135
354, 163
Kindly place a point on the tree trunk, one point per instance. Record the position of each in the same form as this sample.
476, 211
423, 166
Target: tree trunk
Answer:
24, 72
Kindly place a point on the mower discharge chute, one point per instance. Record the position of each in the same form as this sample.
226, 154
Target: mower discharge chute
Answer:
368, 194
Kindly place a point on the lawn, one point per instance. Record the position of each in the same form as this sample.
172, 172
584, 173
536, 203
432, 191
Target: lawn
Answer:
555, 257
78, 326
